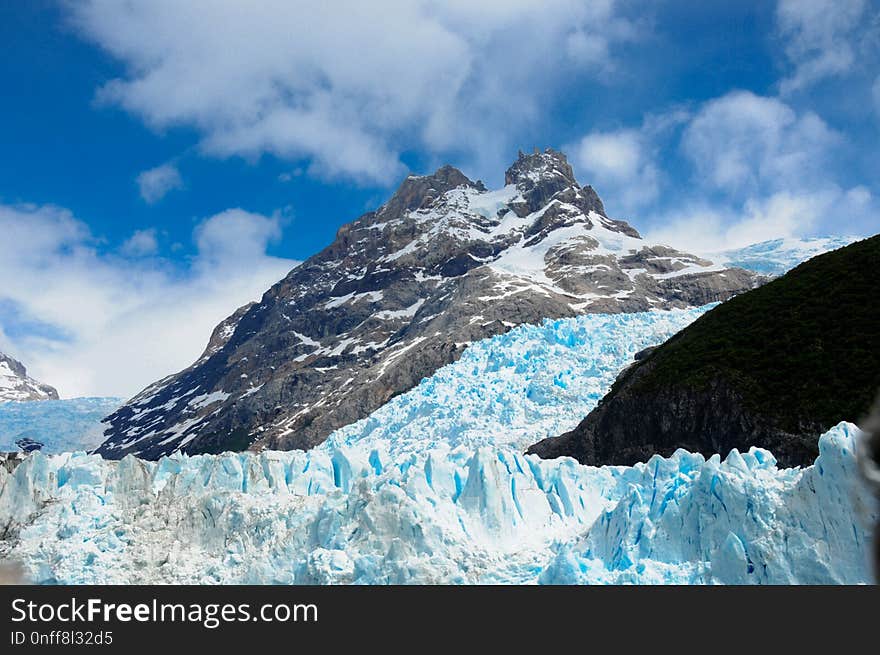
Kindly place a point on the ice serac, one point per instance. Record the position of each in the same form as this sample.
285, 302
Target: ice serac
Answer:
459, 515
531, 382
401, 292
15, 384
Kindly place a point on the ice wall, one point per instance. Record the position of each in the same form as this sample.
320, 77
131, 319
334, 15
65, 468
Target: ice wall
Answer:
451, 515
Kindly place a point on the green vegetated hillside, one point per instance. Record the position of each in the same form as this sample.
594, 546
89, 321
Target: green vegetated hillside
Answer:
772, 367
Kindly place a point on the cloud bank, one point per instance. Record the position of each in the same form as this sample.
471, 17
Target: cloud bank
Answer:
350, 85
109, 323
749, 168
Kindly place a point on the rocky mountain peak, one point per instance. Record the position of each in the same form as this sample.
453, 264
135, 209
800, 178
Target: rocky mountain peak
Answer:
16, 385
593, 199
14, 366
419, 191
540, 176
528, 169
401, 292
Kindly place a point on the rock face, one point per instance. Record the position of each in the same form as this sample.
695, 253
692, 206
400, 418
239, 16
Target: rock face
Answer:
401, 292
772, 368
16, 385
28, 445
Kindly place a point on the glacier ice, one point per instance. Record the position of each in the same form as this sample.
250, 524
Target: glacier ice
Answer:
535, 381
778, 256
60, 425
433, 488
688, 520
446, 515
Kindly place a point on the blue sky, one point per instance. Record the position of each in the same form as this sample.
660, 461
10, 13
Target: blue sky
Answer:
171, 160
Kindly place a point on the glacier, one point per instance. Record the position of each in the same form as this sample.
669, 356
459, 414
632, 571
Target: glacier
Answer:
447, 515
434, 488
778, 256
532, 382
60, 425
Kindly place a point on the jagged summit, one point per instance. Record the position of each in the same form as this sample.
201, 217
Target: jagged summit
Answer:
402, 291
539, 166
15, 384
418, 191
541, 176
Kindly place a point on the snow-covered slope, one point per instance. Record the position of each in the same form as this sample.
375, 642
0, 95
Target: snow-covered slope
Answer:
60, 425
459, 515
779, 256
433, 488
15, 384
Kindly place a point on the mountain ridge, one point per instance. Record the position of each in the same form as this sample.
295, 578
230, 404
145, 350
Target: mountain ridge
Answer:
17, 385
400, 292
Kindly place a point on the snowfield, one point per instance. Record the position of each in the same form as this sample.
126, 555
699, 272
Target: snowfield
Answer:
779, 256
433, 488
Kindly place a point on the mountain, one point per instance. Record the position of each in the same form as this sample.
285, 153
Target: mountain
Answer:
16, 385
433, 488
773, 368
401, 292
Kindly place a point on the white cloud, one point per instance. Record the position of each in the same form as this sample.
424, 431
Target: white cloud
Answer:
820, 38
775, 170
620, 164
759, 170
129, 320
234, 239
142, 243
742, 142
155, 183
706, 227
349, 85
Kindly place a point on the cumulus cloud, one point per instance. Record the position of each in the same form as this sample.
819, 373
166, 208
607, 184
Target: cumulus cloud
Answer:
113, 321
742, 142
342, 87
762, 170
623, 164
821, 38
748, 168
705, 227
142, 243
155, 183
